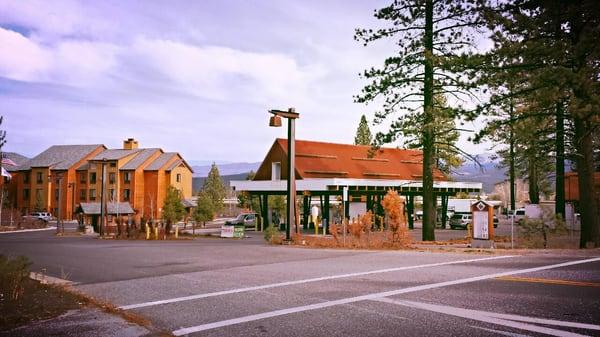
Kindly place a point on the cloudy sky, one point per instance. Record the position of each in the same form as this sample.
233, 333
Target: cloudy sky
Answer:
195, 77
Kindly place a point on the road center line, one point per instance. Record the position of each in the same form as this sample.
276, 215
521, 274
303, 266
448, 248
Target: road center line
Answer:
373, 296
288, 283
550, 281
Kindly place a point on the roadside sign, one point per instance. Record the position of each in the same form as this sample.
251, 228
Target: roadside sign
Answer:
483, 224
238, 232
226, 231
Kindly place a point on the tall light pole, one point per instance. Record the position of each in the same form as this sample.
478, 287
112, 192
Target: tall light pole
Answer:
275, 121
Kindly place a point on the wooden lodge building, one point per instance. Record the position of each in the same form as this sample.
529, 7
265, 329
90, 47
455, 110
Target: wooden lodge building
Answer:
137, 178
323, 170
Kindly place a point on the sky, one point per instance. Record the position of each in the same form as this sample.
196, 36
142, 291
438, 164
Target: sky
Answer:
196, 77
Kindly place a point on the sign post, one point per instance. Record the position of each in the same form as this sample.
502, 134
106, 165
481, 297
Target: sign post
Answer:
483, 225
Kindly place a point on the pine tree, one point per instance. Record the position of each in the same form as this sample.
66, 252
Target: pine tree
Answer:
204, 210
213, 186
363, 134
435, 43
552, 48
173, 209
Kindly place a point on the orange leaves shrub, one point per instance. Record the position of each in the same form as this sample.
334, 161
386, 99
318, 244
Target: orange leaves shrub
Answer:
394, 208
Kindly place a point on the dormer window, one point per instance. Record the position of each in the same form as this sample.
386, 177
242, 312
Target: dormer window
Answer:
276, 171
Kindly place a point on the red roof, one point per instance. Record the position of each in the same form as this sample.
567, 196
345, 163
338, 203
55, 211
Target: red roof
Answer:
330, 160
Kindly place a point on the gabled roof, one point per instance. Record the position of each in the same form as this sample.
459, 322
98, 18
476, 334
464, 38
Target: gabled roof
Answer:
60, 157
140, 159
161, 161
114, 154
331, 160
16, 158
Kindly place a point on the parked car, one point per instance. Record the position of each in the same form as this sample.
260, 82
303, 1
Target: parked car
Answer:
44, 216
460, 221
246, 219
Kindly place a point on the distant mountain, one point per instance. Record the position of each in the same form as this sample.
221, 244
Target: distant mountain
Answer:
489, 173
198, 182
226, 169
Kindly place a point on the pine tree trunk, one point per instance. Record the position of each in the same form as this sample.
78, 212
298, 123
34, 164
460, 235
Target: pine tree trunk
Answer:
559, 199
588, 207
429, 200
534, 193
513, 193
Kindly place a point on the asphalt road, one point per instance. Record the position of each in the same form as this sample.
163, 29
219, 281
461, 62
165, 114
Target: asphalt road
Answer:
224, 287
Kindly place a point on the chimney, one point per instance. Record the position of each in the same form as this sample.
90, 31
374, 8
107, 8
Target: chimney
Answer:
130, 144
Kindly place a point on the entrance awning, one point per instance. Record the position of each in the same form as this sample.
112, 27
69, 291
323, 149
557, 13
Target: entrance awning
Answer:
93, 208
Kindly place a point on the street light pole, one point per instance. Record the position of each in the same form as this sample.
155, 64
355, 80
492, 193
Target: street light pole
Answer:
291, 116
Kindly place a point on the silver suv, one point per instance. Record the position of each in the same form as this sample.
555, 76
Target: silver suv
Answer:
44, 216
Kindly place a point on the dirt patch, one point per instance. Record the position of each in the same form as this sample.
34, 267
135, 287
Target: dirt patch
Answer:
38, 302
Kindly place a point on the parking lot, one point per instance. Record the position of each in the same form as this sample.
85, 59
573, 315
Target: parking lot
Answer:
224, 287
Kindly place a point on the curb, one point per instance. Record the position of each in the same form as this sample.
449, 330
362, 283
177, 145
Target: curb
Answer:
29, 230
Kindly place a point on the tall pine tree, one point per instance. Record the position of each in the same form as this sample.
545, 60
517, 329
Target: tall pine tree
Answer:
435, 43
214, 187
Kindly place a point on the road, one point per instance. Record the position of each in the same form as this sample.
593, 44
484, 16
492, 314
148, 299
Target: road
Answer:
224, 287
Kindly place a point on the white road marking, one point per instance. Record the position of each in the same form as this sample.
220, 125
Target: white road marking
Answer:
288, 283
28, 230
373, 296
500, 332
500, 319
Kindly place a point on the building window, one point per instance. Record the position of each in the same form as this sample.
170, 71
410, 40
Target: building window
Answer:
178, 177
26, 178
93, 178
92, 194
82, 177
113, 164
82, 194
56, 194
25, 194
39, 179
111, 178
111, 194
127, 177
276, 171
126, 194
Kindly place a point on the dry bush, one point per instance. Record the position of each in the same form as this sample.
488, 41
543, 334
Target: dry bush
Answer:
394, 208
13, 273
355, 228
538, 233
335, 230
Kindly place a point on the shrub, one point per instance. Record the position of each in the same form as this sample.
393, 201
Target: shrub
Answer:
272, 235
394, 208
536, 233
13, 273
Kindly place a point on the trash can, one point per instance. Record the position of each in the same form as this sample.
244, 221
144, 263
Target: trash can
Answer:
282, 226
